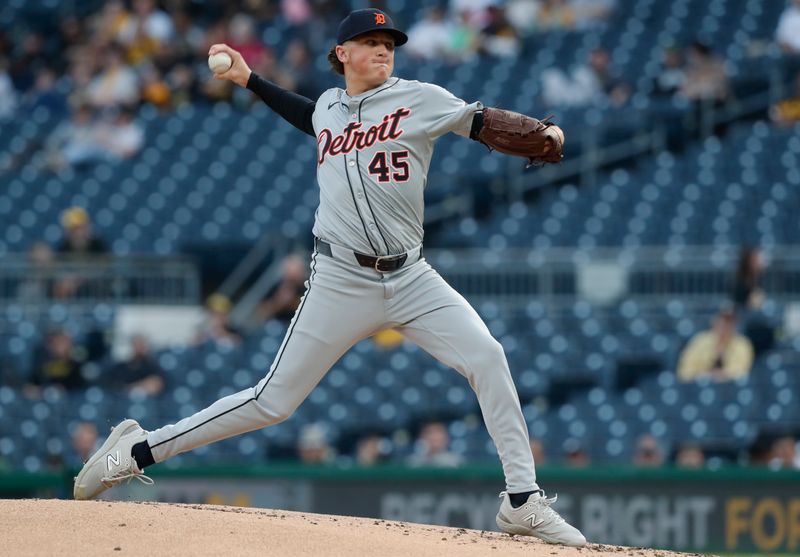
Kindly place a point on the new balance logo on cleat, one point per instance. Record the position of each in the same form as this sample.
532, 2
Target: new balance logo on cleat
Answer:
532, 518
112, 460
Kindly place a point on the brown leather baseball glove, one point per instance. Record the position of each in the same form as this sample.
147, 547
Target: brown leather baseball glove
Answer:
512, 133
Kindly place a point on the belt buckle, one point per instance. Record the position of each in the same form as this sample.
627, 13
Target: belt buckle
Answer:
400, 259
378, 262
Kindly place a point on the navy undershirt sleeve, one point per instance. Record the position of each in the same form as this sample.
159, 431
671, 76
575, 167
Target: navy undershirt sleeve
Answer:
295, 109
477, 126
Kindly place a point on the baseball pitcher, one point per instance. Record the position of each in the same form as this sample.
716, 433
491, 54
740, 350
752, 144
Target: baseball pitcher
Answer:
367, 272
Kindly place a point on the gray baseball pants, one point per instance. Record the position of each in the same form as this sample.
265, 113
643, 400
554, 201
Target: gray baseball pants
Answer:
343, 304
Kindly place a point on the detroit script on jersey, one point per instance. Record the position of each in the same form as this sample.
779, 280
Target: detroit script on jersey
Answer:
353, 137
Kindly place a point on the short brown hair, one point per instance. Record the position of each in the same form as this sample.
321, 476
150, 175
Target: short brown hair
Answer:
336, 64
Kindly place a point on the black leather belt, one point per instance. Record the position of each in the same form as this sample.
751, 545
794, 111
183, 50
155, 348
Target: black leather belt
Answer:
381, 263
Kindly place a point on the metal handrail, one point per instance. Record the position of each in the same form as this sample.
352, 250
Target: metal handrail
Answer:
133, 279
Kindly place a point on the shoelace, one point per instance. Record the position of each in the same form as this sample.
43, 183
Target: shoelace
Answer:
546, 502
126, 475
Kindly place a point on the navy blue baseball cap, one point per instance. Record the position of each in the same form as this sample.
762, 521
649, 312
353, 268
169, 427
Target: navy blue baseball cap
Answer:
359, 22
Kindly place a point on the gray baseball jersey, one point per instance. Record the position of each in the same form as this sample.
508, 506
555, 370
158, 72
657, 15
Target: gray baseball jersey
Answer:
373, 152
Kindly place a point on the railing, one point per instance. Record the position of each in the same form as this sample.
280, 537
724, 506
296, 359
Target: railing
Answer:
695, 275
118, 280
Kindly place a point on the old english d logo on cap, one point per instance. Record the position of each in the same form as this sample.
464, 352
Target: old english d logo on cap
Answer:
359, 22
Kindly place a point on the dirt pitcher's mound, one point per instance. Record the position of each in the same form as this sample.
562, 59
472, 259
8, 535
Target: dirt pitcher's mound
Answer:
55, 527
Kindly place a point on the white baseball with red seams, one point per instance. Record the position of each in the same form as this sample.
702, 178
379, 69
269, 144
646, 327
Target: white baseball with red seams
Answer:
220, 62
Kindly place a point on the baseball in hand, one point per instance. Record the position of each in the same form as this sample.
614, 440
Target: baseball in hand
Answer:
220, 62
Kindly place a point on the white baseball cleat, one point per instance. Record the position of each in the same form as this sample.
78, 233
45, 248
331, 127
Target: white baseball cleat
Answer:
537, 518
113, 463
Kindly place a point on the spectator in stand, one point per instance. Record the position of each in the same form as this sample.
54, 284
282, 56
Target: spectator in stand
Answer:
80, 72
372, 450
593, 83
140, 373
242, 37
474, 11
588, 13
262, 60
523, 15
464, 39
282, 301
720, 353
388, 339
79, 244
788, 32
108, 23
670, 78
75, 143
145, 32
705, 78
555, 14
296, 12
84, 442
55, 364
430, 37
123, 137
498, 37
690, 456
747, 292
615, 89
117, 84
155, 90
784, 454
648, 452
538, 451
79, 240
313, 446
575, 455
432, 448
787, 111
46, 94
217, 327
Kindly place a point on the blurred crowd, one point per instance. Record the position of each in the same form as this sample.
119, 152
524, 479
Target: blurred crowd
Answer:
99, 69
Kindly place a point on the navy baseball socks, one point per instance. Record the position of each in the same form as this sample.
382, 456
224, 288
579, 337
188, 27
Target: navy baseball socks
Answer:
143, 456
517, 499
